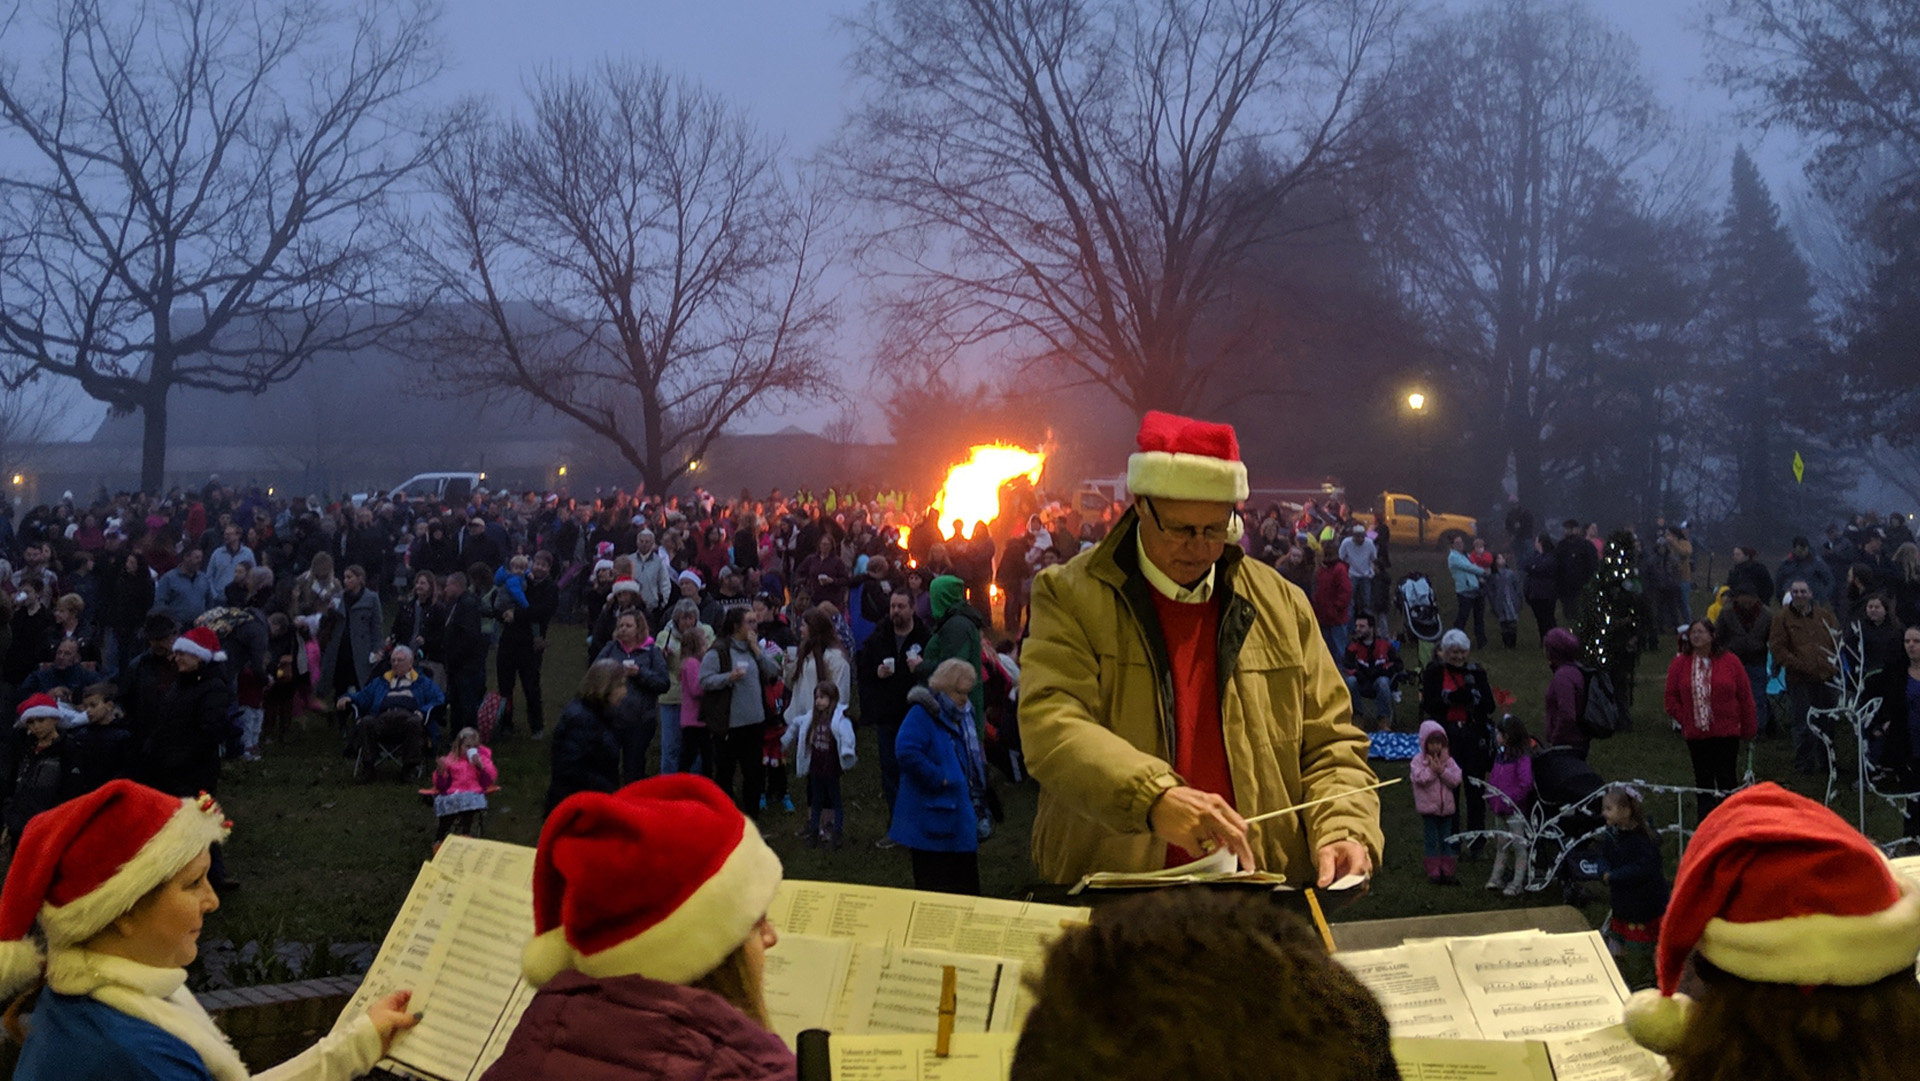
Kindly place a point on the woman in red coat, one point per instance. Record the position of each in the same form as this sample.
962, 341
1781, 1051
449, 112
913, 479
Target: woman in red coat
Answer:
1711, 699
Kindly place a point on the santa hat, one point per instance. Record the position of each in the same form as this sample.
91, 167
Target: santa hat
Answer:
624, 585
664, 879
200, 642
1775, 888
602, 565
1183, 458
39, 705
84, 864
691, 575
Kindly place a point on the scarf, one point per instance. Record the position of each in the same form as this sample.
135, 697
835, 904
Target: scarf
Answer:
1702, 692
958, 721
158, 996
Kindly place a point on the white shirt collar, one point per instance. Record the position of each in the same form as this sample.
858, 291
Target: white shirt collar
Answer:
1200, 593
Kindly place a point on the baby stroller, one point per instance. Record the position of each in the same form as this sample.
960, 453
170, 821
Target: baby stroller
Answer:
1563, 780
1419, 615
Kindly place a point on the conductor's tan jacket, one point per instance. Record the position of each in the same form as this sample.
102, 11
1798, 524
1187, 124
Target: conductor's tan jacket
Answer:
1096, 716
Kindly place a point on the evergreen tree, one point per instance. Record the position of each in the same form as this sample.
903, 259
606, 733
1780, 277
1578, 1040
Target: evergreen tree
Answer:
1613, 611
1767, 343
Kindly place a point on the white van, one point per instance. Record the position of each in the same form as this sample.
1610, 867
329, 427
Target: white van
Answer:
446, 487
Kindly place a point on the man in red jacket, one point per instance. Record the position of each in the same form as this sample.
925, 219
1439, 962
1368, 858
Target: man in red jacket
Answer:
1333, 599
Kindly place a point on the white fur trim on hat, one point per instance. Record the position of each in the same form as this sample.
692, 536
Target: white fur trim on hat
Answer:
1657, 1022
36, 712
1186, 476
1820, 949
191, 648
691, 941
603, 565
188, 833
21, 963
625, 585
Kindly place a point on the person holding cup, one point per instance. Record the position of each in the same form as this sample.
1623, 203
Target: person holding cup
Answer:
887, 667
733, 679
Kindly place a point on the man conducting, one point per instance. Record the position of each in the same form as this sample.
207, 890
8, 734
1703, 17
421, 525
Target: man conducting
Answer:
1173, 688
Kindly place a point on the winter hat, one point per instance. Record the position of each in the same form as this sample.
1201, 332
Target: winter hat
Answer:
1776, 888
83, 864
602, 565
200, 642
663, 879
943, 593
691, 575
37, 706
624, 585
1183, 458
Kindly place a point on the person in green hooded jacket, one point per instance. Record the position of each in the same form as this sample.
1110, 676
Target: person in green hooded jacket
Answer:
957, 630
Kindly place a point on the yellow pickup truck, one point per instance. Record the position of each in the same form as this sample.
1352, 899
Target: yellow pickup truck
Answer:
1411, 522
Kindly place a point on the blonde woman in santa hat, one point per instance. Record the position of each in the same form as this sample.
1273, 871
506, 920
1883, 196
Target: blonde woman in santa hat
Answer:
650, 940
117, 881
1803, 938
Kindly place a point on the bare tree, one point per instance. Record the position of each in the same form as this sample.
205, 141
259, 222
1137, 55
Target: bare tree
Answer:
1519, 119
1070, 179
192, 200
633, 257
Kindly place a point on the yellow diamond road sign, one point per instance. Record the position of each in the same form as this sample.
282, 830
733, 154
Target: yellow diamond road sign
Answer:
1799, 468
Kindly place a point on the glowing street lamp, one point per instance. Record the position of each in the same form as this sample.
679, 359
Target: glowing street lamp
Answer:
563, 470
1416, 401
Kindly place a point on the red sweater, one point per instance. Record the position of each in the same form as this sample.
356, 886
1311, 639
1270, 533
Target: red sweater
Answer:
1729, 696
1192, 634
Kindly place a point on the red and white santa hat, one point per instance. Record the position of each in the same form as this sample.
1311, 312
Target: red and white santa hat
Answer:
624, 585
1775, 888
200, 642
1183, 458
83, 864
691, 575
35, 707
664, 879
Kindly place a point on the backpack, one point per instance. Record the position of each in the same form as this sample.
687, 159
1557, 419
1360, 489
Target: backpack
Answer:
716, 706
1599, 704
486, 718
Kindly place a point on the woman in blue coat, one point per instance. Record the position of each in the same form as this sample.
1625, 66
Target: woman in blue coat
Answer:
943, 775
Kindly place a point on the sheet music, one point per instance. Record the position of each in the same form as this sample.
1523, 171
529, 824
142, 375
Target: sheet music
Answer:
496, 861
974, 1057
1606, 1054
1539, 987
805, 976
472, 978
401, 963
1424, 1059
877, 915
898, 991
1417, 988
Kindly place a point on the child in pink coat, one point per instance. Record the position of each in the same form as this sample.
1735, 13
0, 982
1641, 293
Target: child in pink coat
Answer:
1510, 785
460, 783
1435, 776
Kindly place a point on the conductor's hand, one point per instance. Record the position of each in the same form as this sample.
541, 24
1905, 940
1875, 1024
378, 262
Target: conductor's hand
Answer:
390, 1017
1339, 859
1200, 822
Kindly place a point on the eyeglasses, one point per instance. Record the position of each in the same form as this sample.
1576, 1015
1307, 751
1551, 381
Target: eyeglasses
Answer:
1186, 534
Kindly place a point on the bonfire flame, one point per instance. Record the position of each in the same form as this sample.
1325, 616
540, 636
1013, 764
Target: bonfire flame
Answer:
972, 491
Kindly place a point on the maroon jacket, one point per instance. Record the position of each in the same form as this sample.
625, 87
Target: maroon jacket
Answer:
629, 1028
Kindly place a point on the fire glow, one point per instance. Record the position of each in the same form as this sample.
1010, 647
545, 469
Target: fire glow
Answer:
972, 491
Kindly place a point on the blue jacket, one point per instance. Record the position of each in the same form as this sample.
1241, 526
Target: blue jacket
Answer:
1466, 576
182, 597
372, 698
934, 810
74, 1038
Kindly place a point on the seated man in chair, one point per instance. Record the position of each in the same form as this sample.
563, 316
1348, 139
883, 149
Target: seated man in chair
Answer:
393, 710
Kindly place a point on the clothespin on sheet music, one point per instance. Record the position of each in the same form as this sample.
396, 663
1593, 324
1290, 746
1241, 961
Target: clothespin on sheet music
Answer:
1320, 920
949, 1009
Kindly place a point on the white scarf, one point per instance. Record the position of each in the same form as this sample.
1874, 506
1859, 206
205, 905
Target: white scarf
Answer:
158, 996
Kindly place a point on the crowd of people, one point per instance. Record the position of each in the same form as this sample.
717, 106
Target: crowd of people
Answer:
736, 647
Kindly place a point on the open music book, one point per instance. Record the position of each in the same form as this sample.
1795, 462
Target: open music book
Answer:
852, 959
1528, 1005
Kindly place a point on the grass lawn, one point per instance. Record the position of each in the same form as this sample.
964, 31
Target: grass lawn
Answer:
323, 859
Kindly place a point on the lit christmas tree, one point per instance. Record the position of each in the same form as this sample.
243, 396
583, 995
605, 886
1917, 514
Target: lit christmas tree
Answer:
1612, 612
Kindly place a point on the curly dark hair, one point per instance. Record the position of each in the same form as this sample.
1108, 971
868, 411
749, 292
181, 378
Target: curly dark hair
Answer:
1739, 1030
1199, 983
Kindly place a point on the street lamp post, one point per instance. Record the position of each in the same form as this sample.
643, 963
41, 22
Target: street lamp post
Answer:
1417, 402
